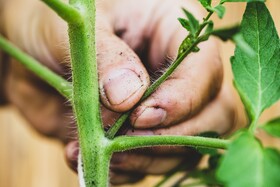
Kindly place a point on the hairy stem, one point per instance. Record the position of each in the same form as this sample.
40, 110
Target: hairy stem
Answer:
124, 143
203, 24
67, 12
60, 84
118, 124
95, 148
114, 129
95, 158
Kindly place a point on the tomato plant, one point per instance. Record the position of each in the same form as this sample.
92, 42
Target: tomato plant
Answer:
255, 66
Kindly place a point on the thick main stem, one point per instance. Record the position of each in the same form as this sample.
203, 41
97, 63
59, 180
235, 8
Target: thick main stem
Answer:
95, 158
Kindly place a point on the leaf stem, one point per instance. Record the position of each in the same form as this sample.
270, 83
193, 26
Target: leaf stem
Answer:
253, 125
93, 144
117, 125
203, 24
124, 143
60, 84
65, 11
114, 129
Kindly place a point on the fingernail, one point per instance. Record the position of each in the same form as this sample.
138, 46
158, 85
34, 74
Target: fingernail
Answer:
120, 85
150, 117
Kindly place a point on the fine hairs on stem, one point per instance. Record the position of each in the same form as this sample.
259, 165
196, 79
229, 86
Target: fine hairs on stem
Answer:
96, 146
181, 56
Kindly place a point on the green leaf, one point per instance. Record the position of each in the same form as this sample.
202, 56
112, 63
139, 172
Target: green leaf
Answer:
193, 22
257, 77
273, 127
185, 23
205, 3
209, 28
208, 31
243, 46
247, 163
226, 33
248, 1
220, 10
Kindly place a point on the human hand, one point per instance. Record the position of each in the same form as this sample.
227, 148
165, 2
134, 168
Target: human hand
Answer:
131, 39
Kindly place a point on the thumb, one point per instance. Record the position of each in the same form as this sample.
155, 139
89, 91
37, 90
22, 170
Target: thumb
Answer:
122, 77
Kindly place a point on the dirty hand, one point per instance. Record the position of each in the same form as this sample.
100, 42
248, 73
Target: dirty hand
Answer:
136, 40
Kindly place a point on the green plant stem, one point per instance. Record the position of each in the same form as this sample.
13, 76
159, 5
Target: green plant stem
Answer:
60, 84
124, 143
253, 125
115, 127
204, 23
95, 157
67, 12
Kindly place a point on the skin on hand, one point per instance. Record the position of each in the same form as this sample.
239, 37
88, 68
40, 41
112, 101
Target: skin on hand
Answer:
135, 41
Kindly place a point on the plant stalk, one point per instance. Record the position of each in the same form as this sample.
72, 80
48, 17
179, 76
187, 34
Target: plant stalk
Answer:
114, 129
57, 82
95, 157
69, 13
124, 143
